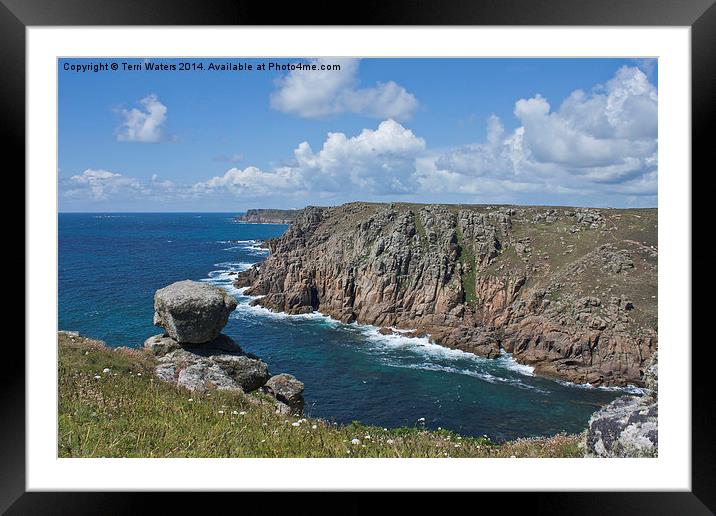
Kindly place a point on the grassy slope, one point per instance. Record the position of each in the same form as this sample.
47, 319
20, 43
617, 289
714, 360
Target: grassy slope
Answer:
127, 413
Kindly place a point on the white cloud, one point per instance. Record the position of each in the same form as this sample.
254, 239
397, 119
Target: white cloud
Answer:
253, 181
379, 161
100, 184
594, 143
146, 125
596, 148
317, 93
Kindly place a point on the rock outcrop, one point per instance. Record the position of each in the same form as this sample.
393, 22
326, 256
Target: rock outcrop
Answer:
268, 216
288, 391
189, 310
628, 426
192, 312
570, 291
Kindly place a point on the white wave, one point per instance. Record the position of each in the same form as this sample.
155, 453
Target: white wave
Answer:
629, 389
421, 345
508, 362
482, 375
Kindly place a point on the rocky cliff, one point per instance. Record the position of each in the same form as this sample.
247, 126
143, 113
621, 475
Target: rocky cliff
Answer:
268, 216
571, 291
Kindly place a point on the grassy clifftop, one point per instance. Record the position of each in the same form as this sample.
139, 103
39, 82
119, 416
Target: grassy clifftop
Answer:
111, 405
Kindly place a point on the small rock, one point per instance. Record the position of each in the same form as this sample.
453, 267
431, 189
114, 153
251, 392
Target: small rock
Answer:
288, 390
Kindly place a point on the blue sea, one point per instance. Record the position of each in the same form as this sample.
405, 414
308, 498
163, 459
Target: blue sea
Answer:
111, 264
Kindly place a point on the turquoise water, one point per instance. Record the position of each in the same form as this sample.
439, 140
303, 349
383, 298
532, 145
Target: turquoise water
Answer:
110, 265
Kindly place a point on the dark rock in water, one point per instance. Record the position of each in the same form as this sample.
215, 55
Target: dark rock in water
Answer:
288, 390
192, 312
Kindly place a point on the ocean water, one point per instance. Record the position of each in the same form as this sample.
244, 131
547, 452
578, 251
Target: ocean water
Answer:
110, 265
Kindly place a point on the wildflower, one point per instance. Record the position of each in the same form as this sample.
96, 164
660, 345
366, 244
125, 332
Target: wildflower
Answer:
106, 370
139, 374
97, 377
190, 399
457, 445
355, 441
367, 436
234, 412
242, 413
314, 427
221, 412
390, 441
296, 424
421, 420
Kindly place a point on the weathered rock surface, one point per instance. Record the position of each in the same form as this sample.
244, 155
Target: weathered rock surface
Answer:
218, 364
192, 312
628, 426
288, 390
571, 291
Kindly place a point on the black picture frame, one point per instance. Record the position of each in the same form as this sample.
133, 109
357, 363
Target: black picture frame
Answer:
700, 15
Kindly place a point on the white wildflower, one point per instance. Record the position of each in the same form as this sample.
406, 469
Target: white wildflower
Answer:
314, 427
221, 412
106, 370
97, 377
355, 441
296, 424
242, 413
390, 441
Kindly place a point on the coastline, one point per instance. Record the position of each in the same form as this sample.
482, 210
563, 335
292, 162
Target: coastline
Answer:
401, 333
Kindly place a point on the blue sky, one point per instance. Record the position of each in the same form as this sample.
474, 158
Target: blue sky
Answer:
528, 131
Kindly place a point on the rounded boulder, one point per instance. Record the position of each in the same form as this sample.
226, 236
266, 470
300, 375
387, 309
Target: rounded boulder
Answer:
192, 312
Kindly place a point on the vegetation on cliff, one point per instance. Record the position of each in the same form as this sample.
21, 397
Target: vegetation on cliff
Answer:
268, 216
572, 291
112, 405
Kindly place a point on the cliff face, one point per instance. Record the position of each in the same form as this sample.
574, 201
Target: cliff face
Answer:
268, 216
570, 291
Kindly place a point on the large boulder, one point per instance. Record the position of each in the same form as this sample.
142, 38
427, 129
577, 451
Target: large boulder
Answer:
627, 427
192, 312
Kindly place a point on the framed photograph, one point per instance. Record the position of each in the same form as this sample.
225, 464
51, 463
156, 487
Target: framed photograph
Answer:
440, 249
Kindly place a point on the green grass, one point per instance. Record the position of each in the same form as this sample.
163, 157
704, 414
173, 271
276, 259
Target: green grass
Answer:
126, 412
467, 258
422, 235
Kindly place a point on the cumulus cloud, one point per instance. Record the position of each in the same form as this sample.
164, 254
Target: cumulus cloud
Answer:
599, 142
317, 93
597, 147
143, 125
376, 161
100, 184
